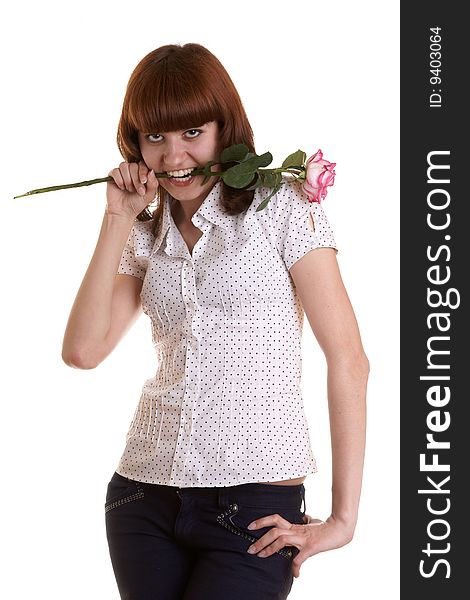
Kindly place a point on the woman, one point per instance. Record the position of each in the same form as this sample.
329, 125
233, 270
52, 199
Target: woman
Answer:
219, 439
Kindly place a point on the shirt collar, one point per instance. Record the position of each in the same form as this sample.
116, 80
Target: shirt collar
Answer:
211, 210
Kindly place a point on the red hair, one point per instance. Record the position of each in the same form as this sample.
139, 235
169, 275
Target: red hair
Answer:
177, 87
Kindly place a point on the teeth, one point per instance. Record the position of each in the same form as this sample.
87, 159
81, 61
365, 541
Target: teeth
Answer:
180, 173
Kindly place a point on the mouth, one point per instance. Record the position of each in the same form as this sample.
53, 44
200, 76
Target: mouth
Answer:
181, 175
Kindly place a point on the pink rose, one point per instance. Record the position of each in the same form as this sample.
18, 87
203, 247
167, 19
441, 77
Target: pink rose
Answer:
319, 175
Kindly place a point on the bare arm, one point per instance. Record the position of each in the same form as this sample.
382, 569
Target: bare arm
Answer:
324, 298
318, 281
107, 303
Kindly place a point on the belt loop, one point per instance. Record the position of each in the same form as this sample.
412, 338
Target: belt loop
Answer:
223, 497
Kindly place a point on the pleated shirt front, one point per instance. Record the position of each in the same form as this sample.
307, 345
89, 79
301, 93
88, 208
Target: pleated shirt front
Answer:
224, 406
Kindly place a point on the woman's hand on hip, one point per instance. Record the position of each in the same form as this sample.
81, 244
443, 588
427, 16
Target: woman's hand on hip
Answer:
313, 537
134, 188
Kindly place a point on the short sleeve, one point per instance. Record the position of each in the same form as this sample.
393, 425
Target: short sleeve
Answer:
299, 225
137, 249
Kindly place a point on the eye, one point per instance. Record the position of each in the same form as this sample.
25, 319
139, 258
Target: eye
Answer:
194, 133
151, 137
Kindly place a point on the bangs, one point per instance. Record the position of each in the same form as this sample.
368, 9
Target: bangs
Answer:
171, 101
176, 88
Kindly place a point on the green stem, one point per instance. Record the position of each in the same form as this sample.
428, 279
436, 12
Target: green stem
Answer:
53, 188
65, 186
293, 170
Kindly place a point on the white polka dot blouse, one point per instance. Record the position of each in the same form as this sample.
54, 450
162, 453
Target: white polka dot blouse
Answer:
224, 406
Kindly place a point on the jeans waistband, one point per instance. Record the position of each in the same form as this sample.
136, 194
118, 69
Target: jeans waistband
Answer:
274, 495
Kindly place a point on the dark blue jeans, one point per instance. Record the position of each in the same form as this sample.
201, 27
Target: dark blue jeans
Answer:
170, 543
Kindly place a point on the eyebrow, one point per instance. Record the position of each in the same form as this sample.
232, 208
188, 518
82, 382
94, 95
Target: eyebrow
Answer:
178, 130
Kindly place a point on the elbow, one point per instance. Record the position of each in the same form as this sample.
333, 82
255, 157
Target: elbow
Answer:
361, 367
78, 359
365, 364
356, 363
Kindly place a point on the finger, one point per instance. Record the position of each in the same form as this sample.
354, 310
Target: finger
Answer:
316, 522
118, 180
126, 175
297, 541
143, 170
295, 569
274, 540
298, 561
135, 177
152, 185
311, 520
269, 520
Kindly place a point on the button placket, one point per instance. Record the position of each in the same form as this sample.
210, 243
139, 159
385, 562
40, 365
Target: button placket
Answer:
188, 284
192, 370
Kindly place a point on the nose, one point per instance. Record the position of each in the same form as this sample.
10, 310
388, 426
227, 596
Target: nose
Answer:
174, 154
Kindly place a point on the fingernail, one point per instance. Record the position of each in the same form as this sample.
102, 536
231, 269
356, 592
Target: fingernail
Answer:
142, 190
143, 180
252, 525
251, 550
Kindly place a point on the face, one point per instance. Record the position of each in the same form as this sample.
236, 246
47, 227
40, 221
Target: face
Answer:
173, 151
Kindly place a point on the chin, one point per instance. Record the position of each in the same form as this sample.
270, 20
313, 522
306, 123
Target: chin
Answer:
191, 191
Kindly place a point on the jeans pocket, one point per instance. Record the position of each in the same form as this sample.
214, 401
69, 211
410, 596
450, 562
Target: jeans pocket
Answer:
237, 517
122, 490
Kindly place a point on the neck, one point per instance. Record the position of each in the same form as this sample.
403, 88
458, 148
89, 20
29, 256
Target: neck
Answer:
182, 212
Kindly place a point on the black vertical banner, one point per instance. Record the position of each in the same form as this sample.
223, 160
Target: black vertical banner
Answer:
434, 261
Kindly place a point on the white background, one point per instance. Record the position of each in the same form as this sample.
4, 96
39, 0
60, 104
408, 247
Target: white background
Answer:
311, 75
